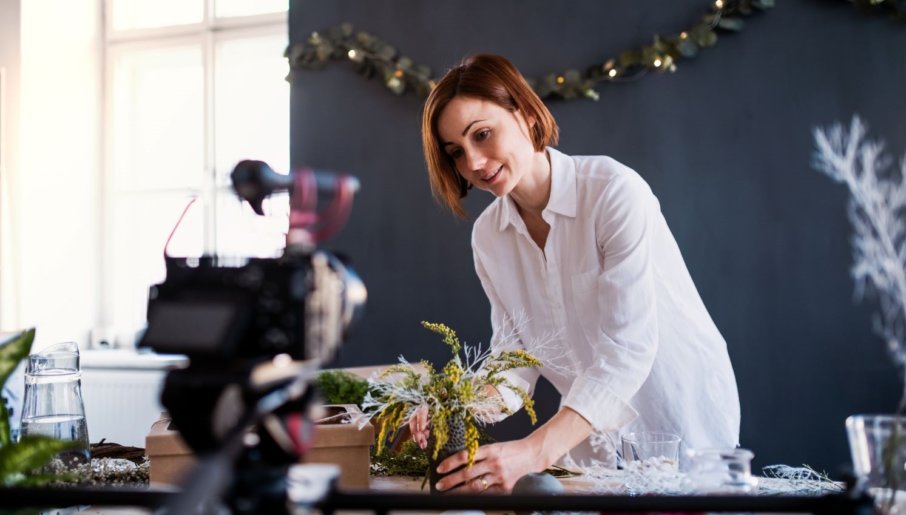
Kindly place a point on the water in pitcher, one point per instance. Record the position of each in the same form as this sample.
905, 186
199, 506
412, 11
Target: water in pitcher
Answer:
62, 427
52, 405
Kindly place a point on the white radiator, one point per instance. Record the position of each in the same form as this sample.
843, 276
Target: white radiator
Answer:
121, 392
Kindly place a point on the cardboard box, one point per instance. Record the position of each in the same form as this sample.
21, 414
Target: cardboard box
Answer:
170, 456
339, 440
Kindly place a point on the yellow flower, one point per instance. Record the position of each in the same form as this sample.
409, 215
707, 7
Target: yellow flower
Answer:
453, 372
471, 440
462, 392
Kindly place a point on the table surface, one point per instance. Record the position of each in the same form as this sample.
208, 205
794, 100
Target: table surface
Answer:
389, 484
408, 485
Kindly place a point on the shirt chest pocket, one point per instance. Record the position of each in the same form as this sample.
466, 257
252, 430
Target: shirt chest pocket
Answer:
585, 300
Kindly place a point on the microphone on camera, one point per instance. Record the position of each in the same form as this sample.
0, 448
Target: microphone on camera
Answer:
255, 180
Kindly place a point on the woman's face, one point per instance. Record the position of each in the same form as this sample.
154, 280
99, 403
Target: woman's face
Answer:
490, 146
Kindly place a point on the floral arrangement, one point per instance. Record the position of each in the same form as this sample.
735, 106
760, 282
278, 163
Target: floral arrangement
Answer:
464, 389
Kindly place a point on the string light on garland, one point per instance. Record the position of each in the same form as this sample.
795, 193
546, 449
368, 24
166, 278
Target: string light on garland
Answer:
369, 55
372, 57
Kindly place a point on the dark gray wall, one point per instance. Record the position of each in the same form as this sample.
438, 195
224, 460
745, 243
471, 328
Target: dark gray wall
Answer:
725, 143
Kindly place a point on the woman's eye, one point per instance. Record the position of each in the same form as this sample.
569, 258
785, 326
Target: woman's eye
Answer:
482, 135
456, 154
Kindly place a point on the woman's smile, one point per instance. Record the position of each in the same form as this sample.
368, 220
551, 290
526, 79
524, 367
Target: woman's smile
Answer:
488, 145
490, 178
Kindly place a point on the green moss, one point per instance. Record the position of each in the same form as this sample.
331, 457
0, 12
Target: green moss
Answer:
338, 387
409, 460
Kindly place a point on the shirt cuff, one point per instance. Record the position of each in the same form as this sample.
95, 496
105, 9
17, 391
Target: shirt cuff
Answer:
597, 404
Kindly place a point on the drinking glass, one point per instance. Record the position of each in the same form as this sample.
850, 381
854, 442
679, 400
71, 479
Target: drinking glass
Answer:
652, 448
721, 470
52, 404
877, 444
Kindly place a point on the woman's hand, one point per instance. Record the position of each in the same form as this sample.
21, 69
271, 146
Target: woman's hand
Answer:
496, 469
419, 427
498, 466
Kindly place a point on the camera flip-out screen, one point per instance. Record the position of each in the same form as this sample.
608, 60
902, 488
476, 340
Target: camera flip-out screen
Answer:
193, 327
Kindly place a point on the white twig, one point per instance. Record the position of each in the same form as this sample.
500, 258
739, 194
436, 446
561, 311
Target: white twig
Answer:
877, 202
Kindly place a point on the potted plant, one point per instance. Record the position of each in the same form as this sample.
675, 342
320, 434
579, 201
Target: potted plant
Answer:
459, 397
876, 209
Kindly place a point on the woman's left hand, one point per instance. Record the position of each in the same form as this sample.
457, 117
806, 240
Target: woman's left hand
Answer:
496, 469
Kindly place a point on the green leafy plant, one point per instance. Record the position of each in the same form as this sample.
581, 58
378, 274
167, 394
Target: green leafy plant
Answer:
464, 389
339, 387
408, 460
20, 462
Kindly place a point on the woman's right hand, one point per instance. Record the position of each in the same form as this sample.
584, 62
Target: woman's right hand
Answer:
418, 426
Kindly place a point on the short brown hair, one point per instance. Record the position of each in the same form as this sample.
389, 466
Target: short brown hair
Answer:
485, 77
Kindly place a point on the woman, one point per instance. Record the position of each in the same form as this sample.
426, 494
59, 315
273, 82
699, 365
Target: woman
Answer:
577, 249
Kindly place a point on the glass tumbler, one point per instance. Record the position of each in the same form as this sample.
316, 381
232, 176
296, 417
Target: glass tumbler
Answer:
652, 448
52, 405
721, 470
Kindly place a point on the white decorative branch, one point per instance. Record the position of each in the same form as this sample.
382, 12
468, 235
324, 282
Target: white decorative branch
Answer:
876, 210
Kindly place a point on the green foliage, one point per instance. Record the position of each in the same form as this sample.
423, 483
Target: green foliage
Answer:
19, 460
340, 387
409, 460
26, 455
373, 57
10, 355
895, 9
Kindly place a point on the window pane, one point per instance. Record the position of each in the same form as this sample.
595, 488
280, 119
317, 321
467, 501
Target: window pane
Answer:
146, 14
142, 223
240, 232
227, 8
251, 99
158, 118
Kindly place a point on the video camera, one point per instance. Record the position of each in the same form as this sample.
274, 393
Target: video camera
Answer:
256, 332
301, 304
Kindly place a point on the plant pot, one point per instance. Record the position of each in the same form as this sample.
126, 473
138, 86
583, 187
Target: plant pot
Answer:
877, 444
455, 443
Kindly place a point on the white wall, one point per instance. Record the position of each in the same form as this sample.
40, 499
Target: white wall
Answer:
56, 188
9, 156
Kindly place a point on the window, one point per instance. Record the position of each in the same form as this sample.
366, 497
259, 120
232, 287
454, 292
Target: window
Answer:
192, 87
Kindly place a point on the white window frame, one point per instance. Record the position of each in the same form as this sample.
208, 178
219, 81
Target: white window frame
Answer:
207, 34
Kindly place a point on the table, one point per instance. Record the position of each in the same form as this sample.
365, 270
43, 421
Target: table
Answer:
403, 495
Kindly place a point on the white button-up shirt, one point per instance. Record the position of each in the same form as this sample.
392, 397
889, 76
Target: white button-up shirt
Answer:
609, 308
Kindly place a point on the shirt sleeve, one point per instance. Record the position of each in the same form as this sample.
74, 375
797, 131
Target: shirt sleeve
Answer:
624, 335
503, 339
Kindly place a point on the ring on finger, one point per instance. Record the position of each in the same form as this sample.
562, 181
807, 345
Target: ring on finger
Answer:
484, 482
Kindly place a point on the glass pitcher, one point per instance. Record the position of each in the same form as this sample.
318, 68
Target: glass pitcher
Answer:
52, 404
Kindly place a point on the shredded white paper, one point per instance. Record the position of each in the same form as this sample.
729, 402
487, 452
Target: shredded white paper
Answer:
651, 478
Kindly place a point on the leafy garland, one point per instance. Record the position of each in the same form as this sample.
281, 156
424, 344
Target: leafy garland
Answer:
373, 57
895, 8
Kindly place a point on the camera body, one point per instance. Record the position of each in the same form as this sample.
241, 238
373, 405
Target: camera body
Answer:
234, 317
218, 311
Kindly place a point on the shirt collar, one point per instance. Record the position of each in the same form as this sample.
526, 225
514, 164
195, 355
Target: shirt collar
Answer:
563, 191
